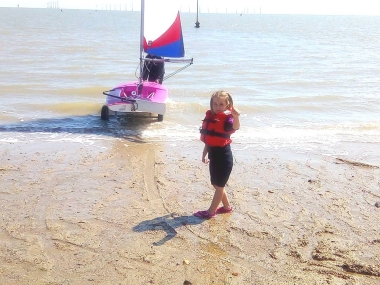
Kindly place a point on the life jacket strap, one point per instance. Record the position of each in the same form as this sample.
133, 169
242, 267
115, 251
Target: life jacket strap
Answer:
214, 133
209, 120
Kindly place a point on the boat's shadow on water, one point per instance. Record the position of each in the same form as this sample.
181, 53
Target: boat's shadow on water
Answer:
126, 126
168, 223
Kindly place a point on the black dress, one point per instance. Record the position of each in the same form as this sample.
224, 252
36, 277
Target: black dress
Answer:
221, 160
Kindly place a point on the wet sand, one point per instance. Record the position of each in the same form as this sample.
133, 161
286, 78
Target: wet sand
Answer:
121, 213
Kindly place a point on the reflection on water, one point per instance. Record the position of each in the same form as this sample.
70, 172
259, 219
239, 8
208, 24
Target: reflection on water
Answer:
129, 127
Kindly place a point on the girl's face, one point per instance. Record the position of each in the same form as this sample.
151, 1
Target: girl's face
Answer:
219, 105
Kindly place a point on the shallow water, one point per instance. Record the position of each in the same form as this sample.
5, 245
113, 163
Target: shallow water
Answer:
304, 82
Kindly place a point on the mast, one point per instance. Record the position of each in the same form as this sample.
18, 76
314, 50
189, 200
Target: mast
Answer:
197, 24
141, 42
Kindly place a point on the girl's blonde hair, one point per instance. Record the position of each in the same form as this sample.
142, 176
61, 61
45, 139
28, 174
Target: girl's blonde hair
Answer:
224, 95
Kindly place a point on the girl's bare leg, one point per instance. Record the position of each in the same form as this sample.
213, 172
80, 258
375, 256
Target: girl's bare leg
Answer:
220, 195
225, 201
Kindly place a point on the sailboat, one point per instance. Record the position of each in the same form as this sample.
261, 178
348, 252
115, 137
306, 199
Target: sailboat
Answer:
162, 42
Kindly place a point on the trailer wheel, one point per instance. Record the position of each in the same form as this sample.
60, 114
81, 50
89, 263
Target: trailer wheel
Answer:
105, 114
160, 117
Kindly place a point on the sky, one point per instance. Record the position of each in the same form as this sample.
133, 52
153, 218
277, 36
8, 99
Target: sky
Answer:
319, 7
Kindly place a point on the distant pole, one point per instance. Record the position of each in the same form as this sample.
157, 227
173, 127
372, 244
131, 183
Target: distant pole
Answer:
197, 24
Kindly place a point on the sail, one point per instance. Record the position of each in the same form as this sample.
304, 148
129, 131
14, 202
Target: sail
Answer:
163, 34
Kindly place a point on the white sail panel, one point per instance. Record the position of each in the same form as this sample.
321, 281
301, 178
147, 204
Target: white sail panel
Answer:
159, 16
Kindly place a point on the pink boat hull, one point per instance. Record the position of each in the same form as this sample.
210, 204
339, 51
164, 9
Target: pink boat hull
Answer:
125, 98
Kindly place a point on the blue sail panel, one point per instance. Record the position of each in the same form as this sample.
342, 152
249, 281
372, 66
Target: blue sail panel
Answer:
174, 49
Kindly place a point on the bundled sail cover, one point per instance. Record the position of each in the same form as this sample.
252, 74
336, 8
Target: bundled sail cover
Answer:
163, 32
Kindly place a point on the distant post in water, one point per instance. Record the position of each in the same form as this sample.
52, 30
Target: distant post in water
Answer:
197, 24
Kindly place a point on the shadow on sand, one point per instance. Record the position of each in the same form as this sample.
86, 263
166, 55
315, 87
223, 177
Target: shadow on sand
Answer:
168, 223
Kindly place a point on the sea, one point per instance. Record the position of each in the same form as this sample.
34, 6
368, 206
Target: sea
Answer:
305, 83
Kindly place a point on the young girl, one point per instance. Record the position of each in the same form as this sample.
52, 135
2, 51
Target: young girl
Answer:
220, 122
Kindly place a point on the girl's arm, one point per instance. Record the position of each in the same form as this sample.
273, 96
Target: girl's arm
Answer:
204, 155
235, 113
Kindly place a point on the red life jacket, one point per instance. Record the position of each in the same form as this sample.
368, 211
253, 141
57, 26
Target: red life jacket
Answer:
212, 130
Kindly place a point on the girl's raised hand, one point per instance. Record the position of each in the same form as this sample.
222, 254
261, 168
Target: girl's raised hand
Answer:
234, 111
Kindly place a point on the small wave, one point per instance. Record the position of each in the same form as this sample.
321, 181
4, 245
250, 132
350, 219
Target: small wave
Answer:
311, 98
82, 91
71, 108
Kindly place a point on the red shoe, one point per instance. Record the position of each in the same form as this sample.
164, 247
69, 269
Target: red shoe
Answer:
204, 215
222, 210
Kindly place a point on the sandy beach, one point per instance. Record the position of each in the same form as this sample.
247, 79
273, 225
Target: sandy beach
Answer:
121, 212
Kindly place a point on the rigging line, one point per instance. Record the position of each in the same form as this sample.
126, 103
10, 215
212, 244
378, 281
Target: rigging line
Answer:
177, 71
137, 68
